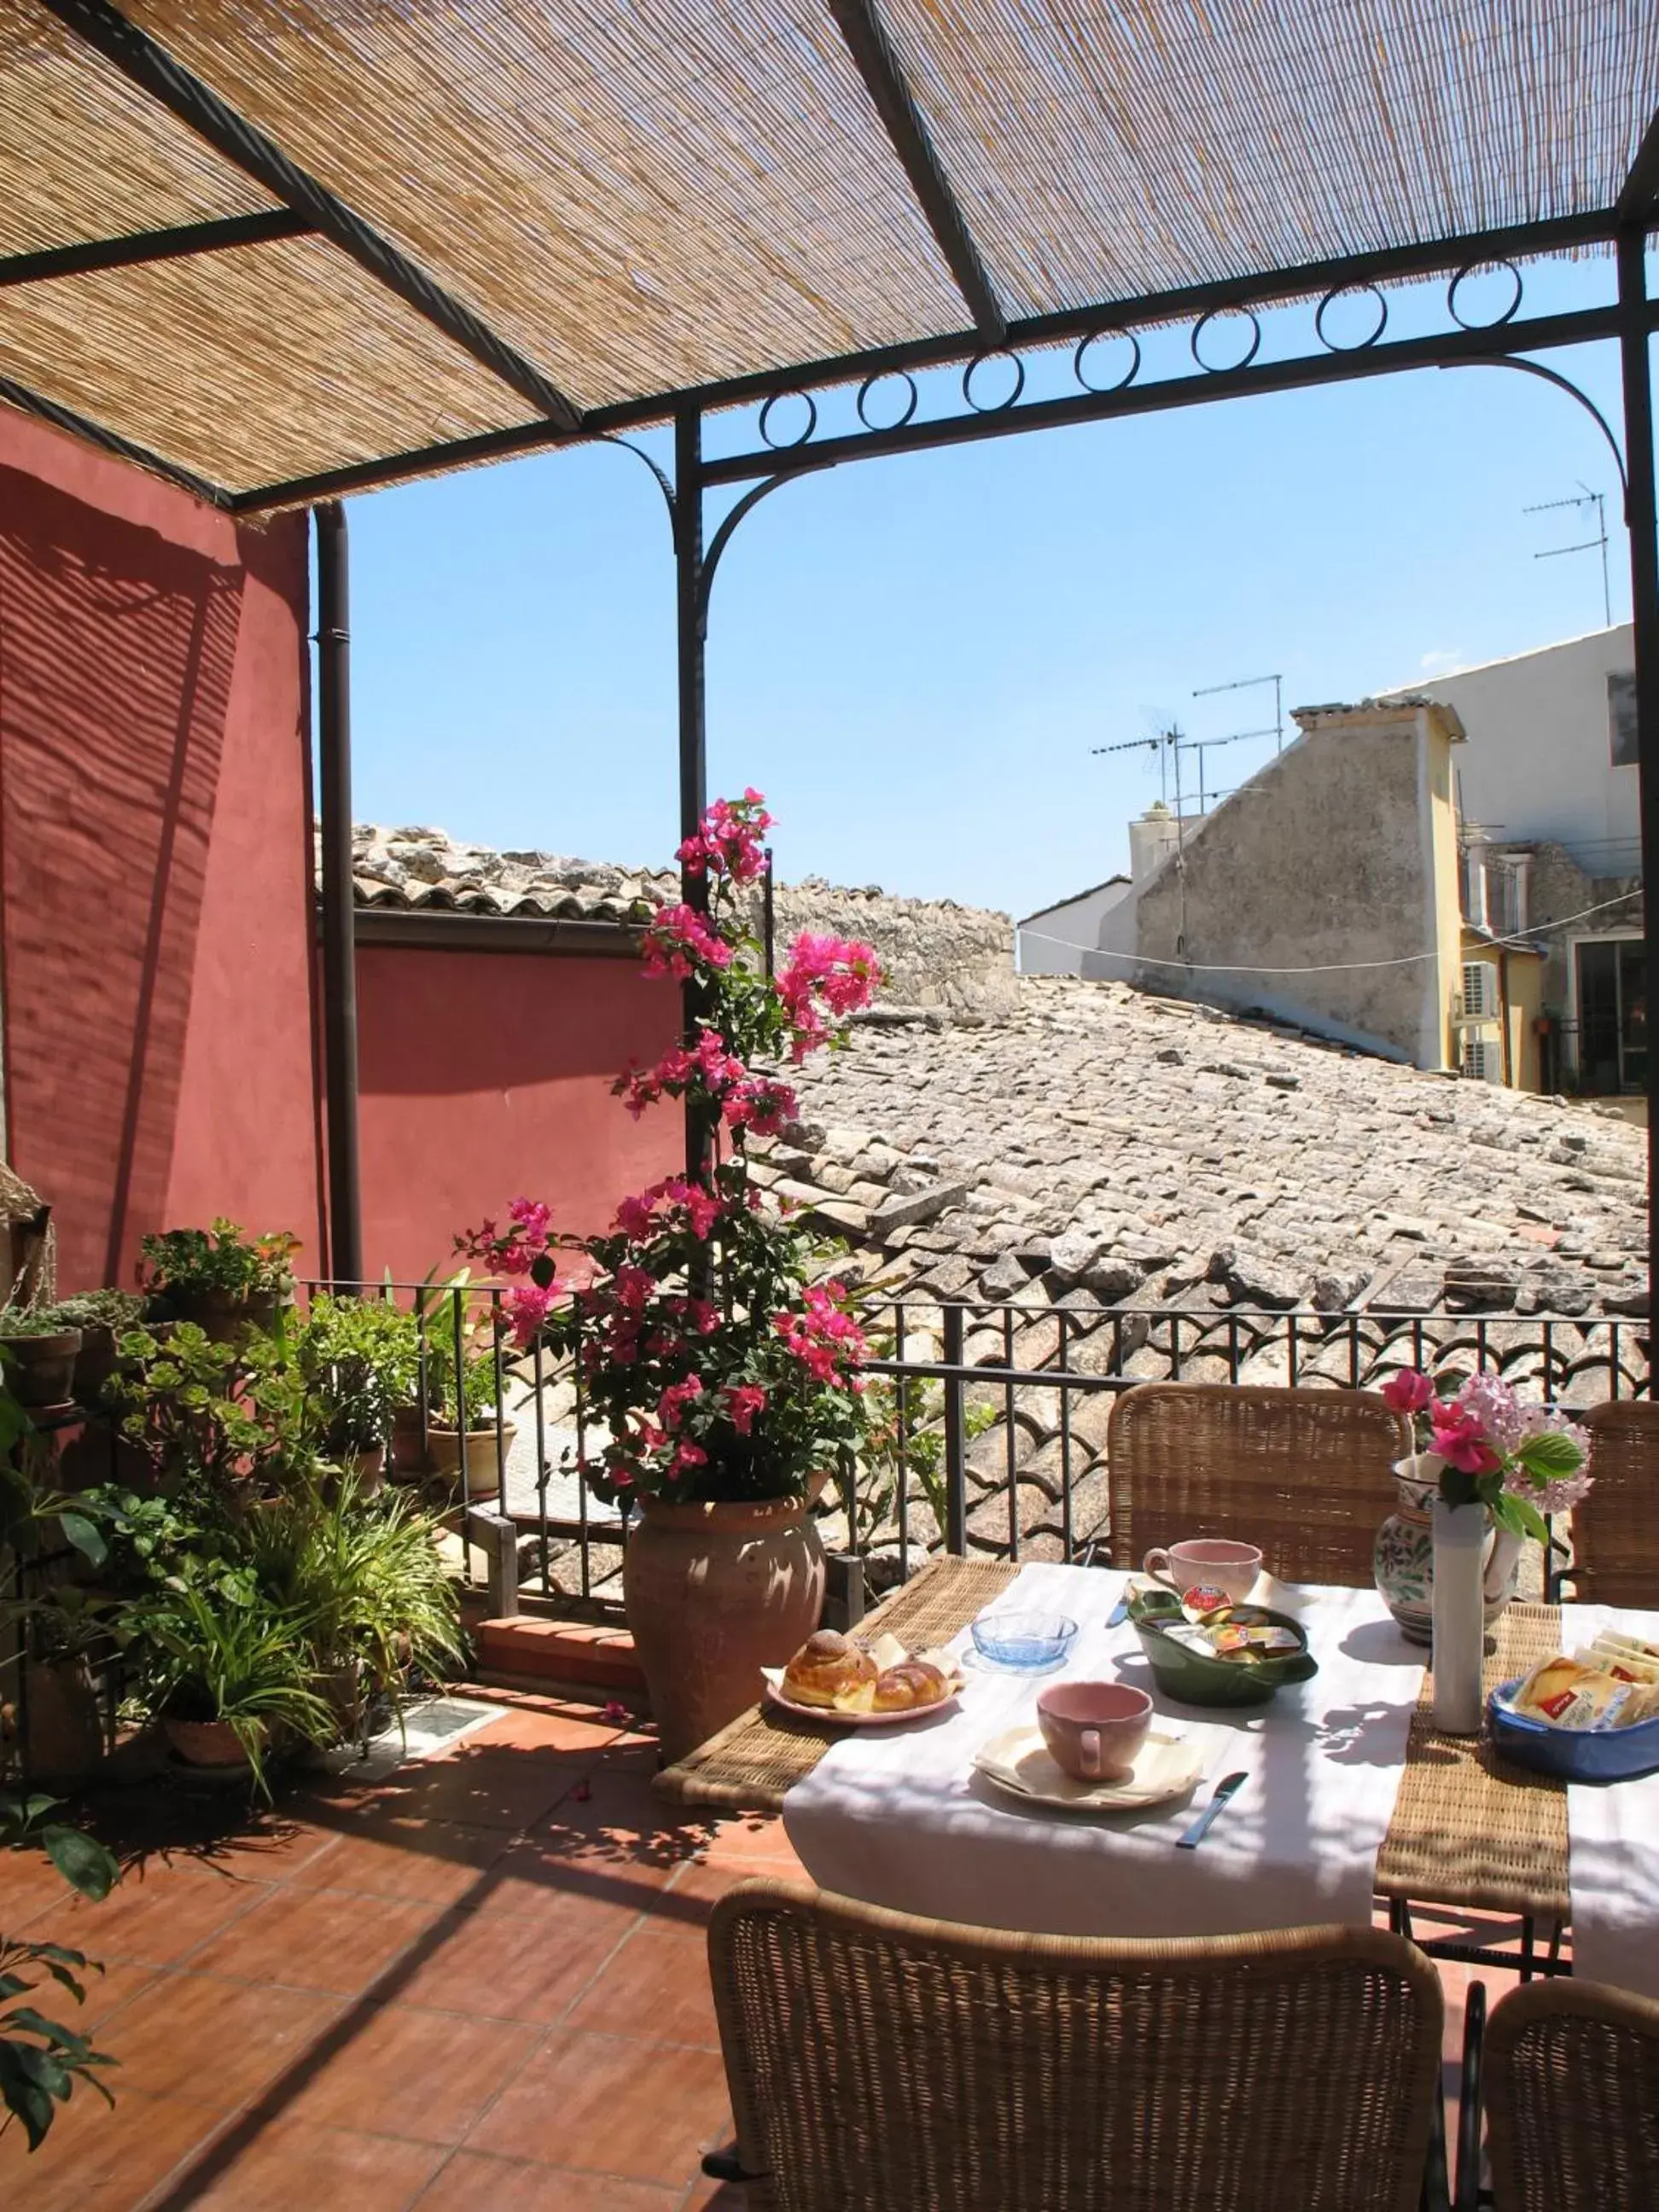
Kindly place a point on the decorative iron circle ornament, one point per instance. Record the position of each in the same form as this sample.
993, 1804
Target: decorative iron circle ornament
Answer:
1203, 325
994, 406
785, 445
1495, 322
1350, 292
899, 375
1099, 337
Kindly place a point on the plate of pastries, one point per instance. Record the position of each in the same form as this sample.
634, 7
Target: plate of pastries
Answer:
861, 1683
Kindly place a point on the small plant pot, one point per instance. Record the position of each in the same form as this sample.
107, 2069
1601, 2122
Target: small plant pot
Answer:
212, 1744
41, 1369
370, 1467
95, 1364
409, 1457
444, 1456
223, 1319
63, 1730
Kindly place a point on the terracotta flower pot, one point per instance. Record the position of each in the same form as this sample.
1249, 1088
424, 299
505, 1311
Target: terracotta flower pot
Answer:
224, 1318
444, 1456
714, 1593
371, 1470
63, 1739
204, 1743
41, 1370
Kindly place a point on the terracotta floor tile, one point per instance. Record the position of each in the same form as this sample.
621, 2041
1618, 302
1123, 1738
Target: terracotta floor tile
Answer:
693, 1890
156, 1914
30, 1883
423, 2075
474, 2183
709, 2196
657, 1984
106, 1993
98, 2160
273, 1852
523, 1957
569, 1729
419, 1862
294, 2165
754, 1842
318, 1939
610, 2104
214, 2042
482, 1786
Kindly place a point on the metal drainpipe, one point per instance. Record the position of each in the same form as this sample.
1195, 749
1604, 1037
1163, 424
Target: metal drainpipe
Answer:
1639, 514
345, 1234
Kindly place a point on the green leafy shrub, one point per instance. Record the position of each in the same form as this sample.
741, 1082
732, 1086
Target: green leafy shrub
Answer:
361, 1361
218, 1262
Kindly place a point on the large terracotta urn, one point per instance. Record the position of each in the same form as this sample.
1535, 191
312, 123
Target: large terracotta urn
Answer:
714, 1593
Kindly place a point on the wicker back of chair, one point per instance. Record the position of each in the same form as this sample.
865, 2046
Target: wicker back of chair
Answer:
882, 2064
1615, 1531
1304, 1473
1572, 2082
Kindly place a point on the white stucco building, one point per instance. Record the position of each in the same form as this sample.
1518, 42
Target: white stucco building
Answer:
1054, 939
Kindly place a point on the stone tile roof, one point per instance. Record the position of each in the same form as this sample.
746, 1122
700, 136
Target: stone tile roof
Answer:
425, 871
1158, 1184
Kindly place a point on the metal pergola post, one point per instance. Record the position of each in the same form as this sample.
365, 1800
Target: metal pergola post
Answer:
345, 1226
1636, 362
691, 624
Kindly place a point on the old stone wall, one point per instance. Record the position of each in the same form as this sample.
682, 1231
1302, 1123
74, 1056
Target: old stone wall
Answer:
1322, 860
936, 954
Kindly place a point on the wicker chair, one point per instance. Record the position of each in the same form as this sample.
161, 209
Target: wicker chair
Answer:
1304, 1473
882, 2064
1572, 2082
1615, 1531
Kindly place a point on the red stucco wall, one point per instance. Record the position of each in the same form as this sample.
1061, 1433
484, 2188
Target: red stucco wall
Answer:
154, 904
483, 1075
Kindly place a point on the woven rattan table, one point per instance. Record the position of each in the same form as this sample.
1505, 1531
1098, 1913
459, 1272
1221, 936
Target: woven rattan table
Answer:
1469, 1833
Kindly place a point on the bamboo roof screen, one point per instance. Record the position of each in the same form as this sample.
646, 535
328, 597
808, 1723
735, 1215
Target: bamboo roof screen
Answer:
637, 196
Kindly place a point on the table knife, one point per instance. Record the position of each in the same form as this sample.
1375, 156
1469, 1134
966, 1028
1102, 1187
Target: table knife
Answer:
1119, 1612
1201, 1827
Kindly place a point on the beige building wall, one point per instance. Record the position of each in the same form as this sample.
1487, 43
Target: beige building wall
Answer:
1325, 890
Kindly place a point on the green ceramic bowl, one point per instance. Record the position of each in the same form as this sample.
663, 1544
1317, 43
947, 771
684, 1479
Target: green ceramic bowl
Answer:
1195, 1679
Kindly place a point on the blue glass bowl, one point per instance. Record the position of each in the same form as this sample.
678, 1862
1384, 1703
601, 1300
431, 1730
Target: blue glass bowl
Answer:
1024, 1640
1570, 1754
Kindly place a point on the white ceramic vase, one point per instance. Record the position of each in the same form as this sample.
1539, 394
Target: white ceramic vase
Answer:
1460, 1545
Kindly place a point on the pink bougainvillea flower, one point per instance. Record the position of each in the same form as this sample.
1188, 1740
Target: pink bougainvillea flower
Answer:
527, 1306
675, 1399
744, 1402
1409, 1392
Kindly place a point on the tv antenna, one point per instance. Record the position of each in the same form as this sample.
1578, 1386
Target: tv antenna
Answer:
1585, 497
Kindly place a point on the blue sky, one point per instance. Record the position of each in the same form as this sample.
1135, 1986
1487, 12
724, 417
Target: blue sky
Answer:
913, 657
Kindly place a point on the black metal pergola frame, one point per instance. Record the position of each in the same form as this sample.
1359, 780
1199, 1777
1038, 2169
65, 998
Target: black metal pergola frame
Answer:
307, 208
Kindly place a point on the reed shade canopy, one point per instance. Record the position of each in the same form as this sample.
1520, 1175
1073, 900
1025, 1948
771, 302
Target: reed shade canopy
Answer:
552, 215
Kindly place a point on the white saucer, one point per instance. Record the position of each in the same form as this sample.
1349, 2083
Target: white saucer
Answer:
1018, 1760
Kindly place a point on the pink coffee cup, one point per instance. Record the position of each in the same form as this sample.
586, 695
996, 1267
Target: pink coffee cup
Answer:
1216, 1562
1094, 1729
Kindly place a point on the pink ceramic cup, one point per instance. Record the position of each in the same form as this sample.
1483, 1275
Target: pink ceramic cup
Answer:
1094, 1729
1216, 1561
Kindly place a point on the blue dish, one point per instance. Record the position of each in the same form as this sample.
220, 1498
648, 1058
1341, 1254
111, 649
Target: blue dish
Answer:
1570, 1754
1023, 1641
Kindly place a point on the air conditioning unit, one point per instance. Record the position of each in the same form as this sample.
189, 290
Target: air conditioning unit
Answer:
1483, 1061
1479, 991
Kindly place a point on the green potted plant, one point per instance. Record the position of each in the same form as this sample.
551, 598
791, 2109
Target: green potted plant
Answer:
102, 1317
210, 1422
361, 1358
366, 1577
229, 1675
427, 1437
39, 1351
217, 1277
722, 1362
40, 2059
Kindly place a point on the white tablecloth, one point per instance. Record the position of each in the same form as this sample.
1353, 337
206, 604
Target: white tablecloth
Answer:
1613, 1846
898, 1817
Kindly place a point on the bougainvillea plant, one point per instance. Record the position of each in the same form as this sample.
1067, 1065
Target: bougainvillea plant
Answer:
723, 1364
1484, 1447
